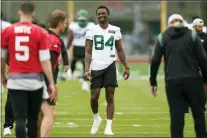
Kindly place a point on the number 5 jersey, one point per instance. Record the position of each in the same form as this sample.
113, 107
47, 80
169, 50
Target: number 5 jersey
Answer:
104, 50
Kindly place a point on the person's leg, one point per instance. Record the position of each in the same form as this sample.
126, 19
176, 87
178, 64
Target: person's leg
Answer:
85, 86
49, 114
96, 85
197, 100
74, 60
9, 117
110, 83
19, 99
109, 109
177, 105
34, 103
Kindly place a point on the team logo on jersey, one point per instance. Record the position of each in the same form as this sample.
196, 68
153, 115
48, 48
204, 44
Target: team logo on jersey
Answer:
111, 31
55, 46
112, 56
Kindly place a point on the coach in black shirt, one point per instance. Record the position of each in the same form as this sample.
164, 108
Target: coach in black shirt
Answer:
183, 56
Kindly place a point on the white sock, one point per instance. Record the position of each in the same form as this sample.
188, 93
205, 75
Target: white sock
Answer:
108, 123
96, 116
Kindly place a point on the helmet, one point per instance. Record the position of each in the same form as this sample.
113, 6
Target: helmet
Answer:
82, 15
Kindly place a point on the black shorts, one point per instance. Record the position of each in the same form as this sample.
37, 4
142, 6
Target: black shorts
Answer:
104, 78
79, 52
55, 75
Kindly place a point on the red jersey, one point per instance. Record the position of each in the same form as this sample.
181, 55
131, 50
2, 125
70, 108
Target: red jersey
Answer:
55, 45
24, 42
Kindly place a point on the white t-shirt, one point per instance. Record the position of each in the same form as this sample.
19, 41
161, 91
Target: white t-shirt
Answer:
79, 33
4, 24
104, 50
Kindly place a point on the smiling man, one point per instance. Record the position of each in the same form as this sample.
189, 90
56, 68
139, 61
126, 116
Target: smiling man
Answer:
102, 42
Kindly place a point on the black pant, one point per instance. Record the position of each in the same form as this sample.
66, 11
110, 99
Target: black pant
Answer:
182, 91
26, 105
78, 55
9, 117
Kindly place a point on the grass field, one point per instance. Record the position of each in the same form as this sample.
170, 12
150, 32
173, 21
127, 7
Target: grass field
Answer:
137, 114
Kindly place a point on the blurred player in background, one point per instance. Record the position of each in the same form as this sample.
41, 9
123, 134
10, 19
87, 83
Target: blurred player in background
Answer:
9, 118
77, 32
25, 76
198, 25
102, 42
190, 26
57, 24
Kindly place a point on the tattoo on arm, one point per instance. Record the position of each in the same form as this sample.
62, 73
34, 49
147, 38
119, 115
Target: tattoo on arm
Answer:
88, 53
121, 53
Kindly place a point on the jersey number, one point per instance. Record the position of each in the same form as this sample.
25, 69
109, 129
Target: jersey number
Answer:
99, 42
21, 48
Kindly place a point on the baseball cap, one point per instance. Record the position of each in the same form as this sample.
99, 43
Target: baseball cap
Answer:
198, 21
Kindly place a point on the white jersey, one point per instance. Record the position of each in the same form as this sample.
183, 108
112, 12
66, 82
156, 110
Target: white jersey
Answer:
104, 50
4, 24
79, 33
190, 26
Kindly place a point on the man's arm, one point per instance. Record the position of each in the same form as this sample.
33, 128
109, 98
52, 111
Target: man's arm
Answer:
46, 65
201, 57
88, 53
44, 55
121, 53
4, 54
70, 38
155, 63
3, 63
53, 57
64, 55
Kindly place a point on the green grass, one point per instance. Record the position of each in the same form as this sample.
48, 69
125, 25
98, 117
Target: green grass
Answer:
134, 103
141, 68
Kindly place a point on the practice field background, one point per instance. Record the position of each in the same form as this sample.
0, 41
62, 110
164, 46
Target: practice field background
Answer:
137, 114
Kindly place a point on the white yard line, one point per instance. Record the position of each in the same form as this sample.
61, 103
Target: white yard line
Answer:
132, 125
126, 113
161, 132
121, 119
140, 103
125, 108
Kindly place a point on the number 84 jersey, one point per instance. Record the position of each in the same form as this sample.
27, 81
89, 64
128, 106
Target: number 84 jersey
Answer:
104, 50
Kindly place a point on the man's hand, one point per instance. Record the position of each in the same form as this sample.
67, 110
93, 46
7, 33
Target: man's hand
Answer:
4, 81
154, 90
53, 93
88, 75
126, 73
205, 87
66, 68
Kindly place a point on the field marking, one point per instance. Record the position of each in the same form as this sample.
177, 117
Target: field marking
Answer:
121, 132
127, 113
91, 119
121, 103
128, 108
134, 125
